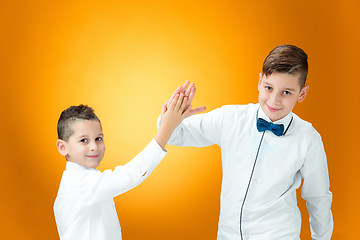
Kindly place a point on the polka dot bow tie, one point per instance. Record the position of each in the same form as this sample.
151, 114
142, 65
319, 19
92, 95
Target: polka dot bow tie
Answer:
263, 125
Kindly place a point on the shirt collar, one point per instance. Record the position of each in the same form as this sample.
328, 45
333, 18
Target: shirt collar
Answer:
72, 166
285, 120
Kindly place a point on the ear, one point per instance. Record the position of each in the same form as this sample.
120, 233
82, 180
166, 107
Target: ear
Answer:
260, 80
61, 146
303, 93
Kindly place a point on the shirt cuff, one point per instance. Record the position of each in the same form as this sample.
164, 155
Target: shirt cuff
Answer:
158, 146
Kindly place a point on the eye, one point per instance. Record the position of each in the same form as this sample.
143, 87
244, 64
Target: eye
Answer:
268, 88
84, 140
98, 139
287, 93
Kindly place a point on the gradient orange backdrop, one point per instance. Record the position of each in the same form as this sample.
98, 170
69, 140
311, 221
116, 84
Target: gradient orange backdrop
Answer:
125, 58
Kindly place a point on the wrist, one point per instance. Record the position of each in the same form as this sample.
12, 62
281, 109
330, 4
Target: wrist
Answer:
163, 135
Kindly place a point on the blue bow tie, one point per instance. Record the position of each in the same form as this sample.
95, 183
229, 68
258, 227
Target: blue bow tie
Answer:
263, 125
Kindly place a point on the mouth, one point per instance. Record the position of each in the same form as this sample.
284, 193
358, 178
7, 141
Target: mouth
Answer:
92, 156
272, 109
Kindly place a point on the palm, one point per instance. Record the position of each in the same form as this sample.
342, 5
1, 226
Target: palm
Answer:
189, 91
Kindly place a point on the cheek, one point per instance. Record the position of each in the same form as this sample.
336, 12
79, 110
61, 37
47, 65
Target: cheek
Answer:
102, 147
262, 95
81, 150
291, 102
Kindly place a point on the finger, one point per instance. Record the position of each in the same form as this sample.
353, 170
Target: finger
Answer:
179, 102
166, 105
187, 111
192, 93
184, 87
177, 91
183, 105
163, 108
188, 90
196, 110
174, 102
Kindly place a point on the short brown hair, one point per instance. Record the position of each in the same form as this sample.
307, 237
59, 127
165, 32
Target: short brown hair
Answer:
287, 59
71, 114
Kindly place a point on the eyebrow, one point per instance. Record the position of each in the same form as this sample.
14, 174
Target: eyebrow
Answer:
287, 89
290, 89
85, 136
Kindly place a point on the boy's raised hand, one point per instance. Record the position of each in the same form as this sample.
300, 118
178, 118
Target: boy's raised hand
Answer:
171, 116
189, 90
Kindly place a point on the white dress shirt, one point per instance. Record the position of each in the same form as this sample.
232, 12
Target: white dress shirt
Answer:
268, 208
84, 207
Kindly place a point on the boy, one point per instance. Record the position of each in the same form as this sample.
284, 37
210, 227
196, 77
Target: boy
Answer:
266, 150
84, 207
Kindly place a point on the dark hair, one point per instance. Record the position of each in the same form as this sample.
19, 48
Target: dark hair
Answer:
287, 59
73, 113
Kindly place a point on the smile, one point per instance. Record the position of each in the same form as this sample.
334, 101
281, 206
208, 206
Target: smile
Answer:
272, 109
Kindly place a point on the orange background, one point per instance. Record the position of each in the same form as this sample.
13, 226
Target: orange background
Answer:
125, 58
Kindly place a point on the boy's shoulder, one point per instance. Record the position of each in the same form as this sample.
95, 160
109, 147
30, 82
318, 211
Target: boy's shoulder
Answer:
305, 128
75, 175
246, 111
240, 108
231, 114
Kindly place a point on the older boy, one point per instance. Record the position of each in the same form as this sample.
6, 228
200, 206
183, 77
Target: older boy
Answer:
84, 207
266, 150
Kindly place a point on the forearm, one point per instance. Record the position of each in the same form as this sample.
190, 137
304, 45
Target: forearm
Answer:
321, 220
145, 161
163, 135
105, 185
196, 131
315, 190
318, 202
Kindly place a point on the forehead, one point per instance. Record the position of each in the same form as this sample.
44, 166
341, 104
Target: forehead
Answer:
283, 80
86, 127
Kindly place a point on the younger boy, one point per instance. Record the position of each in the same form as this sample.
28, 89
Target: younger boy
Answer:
266, 150
84, 207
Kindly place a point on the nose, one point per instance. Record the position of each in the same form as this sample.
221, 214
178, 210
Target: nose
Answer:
274, 98
92, 146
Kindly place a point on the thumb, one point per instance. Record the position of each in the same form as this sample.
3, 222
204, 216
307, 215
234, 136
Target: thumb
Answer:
164, 108
195, 111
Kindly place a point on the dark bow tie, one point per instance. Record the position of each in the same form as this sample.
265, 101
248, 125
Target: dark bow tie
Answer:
263, 125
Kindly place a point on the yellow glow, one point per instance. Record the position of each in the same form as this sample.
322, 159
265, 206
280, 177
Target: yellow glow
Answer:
125, 58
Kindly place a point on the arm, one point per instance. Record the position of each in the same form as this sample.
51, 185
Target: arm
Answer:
198, 130
171, 116
106, 185
315, 190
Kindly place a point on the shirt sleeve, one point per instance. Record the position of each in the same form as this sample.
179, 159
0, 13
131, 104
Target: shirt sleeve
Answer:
199, 130
101, 186
315, 190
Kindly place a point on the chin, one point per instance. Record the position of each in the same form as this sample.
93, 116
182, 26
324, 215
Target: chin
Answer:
95, 165
91, 165
273, 117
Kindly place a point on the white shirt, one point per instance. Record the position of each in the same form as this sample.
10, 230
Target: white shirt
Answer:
270, 210
84, 207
